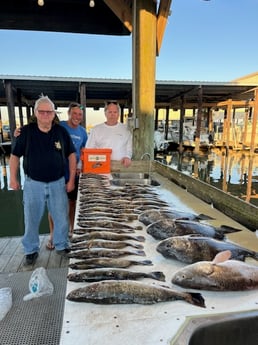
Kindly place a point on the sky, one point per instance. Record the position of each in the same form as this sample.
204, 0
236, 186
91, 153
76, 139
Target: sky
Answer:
204, 41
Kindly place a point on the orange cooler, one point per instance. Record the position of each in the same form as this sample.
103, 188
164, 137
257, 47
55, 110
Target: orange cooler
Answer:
96, 161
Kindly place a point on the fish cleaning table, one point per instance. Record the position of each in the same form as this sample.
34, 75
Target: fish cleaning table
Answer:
160, 323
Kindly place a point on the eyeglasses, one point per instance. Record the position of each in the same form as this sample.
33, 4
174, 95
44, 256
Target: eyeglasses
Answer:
75, 105
48, 112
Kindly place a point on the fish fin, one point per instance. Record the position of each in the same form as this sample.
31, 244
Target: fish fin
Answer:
222, 256
197, 299
228, 229
158, 275
204, 217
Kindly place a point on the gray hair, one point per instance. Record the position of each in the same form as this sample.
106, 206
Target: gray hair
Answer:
107, 103
43, 99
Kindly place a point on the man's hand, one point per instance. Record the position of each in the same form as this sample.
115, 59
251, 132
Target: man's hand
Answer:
70, 186
126, 162
14, 184
17, 132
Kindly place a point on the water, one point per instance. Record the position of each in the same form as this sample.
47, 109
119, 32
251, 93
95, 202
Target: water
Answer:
235, 172
11, 206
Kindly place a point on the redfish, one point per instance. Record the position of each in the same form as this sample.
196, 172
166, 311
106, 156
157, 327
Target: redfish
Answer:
221, 274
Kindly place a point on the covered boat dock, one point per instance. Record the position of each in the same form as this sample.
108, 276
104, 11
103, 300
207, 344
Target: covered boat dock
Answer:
160, 323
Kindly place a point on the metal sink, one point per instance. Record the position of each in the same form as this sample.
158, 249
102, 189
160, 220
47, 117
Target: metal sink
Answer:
234, 330
132, 178
131, 175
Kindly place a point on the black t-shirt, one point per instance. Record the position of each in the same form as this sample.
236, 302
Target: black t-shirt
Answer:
45, 154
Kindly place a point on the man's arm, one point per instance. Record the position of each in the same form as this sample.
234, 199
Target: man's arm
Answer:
127, 160
72, 172
14, 164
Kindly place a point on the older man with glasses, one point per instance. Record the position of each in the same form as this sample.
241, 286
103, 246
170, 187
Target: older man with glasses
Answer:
45, 147
112, 134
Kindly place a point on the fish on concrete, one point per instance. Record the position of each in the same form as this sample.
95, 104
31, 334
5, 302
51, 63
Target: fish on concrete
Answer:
108, 209
110, 215
150, 202
110, 224
86, 219
142, 189
102, 252
105, 202
194, 248
219, 232
153, 215
99, 243
168, 228
128, 292
151, 196
88, 230
108, 262
106, 235
142, 208
221, 274
95, 275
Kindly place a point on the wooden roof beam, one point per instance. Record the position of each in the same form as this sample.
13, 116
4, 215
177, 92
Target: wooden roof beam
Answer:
238, 104
162, 17
123, 10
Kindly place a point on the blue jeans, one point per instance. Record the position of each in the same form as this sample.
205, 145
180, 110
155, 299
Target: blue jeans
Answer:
36, 196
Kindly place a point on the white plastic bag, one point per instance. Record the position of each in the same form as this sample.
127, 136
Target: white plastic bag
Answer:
39, 284
5, 301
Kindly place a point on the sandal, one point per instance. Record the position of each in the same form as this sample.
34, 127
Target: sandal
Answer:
50, 245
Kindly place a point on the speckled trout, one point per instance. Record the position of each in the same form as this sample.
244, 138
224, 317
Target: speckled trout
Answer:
128, 292
95, 275
107, 262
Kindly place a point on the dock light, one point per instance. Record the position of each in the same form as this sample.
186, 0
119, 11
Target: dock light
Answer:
41, 2
92, 3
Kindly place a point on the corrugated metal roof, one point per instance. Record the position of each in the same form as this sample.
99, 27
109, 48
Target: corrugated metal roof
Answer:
63, 90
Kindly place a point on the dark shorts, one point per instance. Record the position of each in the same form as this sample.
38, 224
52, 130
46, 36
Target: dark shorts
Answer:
73, 194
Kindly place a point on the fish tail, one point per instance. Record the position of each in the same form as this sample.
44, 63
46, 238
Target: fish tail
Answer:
196, 298
136, 245
139, 252
229, 229
158, 275
138, 227
144, 262
140, 238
